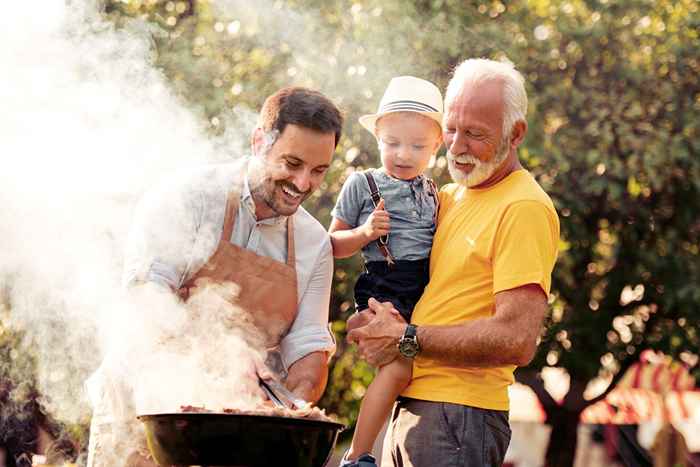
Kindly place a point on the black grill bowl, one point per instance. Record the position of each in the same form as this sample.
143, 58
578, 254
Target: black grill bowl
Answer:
220, 439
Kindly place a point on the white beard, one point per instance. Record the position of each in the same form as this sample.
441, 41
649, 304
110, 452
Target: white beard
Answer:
481, 171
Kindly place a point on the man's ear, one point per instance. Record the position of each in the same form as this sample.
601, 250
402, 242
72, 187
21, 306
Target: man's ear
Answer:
257, 141
517, 135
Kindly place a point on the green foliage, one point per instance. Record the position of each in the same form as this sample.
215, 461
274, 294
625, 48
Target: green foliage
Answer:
618, 108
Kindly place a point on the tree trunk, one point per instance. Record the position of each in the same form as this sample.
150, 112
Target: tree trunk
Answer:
562, 416
561, 450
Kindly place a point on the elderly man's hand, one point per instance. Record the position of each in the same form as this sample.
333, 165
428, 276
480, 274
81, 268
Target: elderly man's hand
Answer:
377, 340
357, 320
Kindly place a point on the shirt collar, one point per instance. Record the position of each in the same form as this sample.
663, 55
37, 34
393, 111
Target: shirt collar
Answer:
249, 204
414, 182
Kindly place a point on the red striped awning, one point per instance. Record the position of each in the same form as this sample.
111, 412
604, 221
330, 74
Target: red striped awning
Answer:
655, 388
659, 373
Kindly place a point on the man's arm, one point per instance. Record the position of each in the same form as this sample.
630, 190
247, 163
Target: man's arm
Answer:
305, 350
161, 240
509, 337
308, 376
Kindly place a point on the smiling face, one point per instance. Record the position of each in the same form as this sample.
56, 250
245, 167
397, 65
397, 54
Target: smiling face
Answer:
284, 175
407, 141
477, 149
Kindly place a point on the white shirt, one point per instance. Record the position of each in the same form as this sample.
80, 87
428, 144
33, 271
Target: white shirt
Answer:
177, 228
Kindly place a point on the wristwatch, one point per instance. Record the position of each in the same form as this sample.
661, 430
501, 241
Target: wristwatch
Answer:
408, 344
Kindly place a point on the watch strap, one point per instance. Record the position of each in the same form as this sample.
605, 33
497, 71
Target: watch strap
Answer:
411, 330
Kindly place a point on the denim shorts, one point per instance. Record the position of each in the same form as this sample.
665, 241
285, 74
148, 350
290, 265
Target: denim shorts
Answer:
401, 284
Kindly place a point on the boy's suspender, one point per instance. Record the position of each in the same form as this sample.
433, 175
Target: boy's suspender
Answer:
433, 192
383, 241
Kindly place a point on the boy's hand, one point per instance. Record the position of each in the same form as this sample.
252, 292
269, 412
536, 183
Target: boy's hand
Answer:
377, 224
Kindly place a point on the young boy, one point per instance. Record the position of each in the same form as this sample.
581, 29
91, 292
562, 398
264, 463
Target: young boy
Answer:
398, 199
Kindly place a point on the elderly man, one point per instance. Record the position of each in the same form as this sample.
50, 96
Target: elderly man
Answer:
490, 274
243, 223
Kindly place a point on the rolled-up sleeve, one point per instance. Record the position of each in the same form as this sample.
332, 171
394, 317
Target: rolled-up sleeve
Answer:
310, 332
160, 242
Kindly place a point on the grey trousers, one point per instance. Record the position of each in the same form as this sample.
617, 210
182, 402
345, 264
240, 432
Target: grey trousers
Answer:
440, 434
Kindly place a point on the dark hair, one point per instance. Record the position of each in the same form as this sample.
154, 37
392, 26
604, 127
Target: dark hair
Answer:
303, 107
20, 420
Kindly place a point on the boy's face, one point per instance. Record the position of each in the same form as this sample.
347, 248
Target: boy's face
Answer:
407, 141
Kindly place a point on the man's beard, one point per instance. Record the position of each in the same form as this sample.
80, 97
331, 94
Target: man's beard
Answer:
482, 170
265, 189
271, 193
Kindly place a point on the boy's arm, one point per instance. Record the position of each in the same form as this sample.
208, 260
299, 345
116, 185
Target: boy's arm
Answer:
347, 241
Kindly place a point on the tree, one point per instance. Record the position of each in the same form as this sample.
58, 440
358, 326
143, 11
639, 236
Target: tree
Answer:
617, 112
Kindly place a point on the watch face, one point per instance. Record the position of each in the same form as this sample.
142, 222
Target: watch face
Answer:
408, 347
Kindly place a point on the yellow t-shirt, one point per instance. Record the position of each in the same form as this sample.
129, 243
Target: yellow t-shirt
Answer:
487, 240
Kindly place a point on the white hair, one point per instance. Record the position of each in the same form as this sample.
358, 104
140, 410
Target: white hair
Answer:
475, 71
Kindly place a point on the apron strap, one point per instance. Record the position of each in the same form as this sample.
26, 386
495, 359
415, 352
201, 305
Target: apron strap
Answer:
232, 202
291, 255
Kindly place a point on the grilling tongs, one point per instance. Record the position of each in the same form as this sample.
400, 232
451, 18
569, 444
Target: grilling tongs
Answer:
280, 395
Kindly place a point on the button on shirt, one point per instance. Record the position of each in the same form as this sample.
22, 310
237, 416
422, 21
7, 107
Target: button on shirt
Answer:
411, 210
178, 225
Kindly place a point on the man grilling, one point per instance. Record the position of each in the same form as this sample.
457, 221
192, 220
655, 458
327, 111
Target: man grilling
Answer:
243, 223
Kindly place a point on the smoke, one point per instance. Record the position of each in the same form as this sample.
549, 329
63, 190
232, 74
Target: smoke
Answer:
87, 125
201, 354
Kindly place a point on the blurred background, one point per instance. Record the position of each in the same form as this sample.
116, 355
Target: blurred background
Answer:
614, 100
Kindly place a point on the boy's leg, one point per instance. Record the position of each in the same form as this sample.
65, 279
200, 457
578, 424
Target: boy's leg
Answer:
376, 406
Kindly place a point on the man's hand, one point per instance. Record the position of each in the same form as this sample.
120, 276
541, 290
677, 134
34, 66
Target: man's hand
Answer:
357, 320
378, 223
377, 341
307, 377
254, 371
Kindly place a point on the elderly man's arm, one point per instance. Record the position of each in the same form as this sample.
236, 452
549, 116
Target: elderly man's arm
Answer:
509, 337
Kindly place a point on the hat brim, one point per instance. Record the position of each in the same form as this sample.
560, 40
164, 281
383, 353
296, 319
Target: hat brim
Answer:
369, 121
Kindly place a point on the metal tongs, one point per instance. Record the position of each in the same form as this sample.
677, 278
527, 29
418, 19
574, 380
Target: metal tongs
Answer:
281, 396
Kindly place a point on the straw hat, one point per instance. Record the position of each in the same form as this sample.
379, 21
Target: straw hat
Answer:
407, 94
